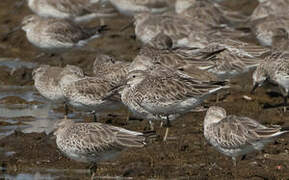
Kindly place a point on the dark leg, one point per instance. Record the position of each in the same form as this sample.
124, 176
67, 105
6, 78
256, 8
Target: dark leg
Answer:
8, 34
130, 24
65, 110
62, 64
168, 122
243, 157
3, 167
93, 169
94, 116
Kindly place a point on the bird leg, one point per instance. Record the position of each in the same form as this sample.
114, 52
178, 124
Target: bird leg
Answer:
127, 116
101, 22
243, 157
284, 93
151, 125
161, 124
61, 61
285, 103
168, 124
65, 110
234, 161
94, 116
40, 55
217, 97
6, 36
130, 23
235, 167
166, 134
93, 169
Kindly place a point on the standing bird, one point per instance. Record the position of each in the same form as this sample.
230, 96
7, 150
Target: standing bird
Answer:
264, 28
55, 36
94, 142
236, 135
229, 58
148, 26
95, 94
110, 68
275, 69
47, 81
206, 10
183, 31
267, 7
223, 58
74, 10
132, 7
165, 93
280, 39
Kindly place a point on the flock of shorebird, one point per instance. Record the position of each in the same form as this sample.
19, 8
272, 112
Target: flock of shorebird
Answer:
191, 49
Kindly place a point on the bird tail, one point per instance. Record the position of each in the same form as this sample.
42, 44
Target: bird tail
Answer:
103, 28
285, 128
223, 83
128, 138
98, 31
92, 33
150, 136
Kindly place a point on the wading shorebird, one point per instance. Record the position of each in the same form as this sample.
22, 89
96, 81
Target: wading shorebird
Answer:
47, 81
165, 93
56, 36
109, 67
132, 7
73, 10
95, 142
274, 69
267, 7
236, 135
94, 94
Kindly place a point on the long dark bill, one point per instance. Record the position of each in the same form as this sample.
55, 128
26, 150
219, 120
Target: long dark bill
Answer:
254, 88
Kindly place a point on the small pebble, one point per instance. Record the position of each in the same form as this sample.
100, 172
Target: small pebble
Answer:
247, 98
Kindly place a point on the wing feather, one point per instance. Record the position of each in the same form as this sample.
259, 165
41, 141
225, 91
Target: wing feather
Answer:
74, 7
236, 132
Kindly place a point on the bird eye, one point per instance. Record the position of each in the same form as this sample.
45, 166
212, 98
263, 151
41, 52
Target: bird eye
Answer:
133, 76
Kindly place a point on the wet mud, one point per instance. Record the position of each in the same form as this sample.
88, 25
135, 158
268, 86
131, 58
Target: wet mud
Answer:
28, 150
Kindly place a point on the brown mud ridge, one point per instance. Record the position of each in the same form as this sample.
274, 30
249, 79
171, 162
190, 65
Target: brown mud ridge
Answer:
185, 154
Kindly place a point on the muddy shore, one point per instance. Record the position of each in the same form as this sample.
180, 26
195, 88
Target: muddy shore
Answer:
184, 156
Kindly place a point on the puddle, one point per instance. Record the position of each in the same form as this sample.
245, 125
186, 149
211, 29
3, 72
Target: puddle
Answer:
28, 93
25, 110
9, 130
5, 153
53, 174
15, 64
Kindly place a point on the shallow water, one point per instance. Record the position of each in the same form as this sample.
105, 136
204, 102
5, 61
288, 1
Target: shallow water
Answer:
27, 93
26, 119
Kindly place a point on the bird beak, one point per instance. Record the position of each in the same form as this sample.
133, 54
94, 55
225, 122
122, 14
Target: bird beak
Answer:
120, 87
6, 36
254, 87
130, 23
